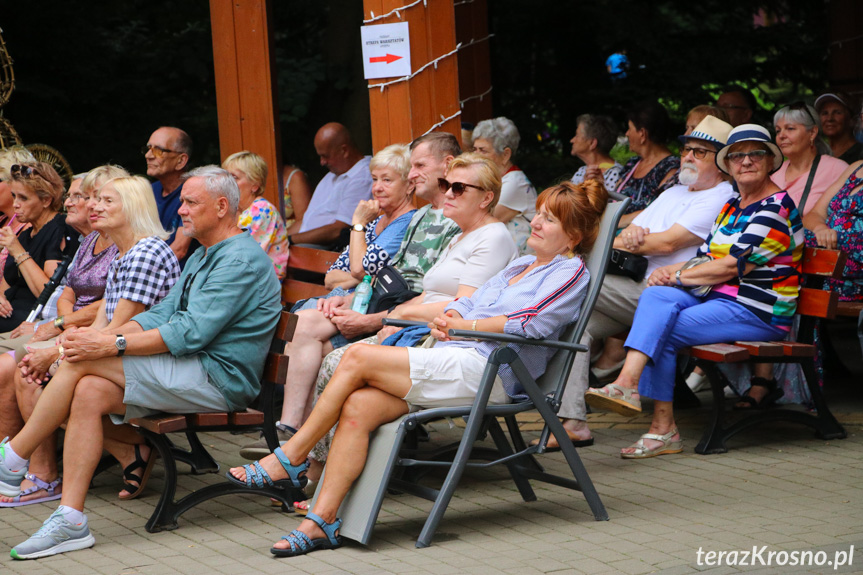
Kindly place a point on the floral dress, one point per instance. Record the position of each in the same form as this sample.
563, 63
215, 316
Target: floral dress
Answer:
644, 190
263, 221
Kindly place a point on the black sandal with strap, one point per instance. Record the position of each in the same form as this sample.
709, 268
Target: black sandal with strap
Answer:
774, 392
141, 479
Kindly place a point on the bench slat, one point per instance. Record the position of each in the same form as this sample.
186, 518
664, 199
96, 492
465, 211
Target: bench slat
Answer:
822, 262
719, 352
161, 423
794, 349
296, 290
849, 308
247, 417
817, 303
762, 348
208, 419
312, 260
276, 368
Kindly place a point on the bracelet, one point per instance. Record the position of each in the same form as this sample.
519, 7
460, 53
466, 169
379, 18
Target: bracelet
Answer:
22, 258
473, 325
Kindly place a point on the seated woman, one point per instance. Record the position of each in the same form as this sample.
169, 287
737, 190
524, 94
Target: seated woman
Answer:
498, 141
376, 236
594, 138
84, 286
838, 114
142, 274
296, 195
8, 218
535, 296
482, 249
755, 248
33, 256
258, 216
654, 167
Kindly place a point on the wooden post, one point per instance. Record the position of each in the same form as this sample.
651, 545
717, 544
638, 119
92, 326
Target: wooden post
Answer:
245, 83
406, 110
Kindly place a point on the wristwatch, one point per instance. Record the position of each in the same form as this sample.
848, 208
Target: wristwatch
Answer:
290, 241
121, 345
677, 277
358, 228
59, 322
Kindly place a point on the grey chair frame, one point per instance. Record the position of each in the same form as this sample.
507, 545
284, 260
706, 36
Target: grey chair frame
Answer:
361, 507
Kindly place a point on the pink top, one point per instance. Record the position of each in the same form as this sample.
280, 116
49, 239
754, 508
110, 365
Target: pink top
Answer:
829, 170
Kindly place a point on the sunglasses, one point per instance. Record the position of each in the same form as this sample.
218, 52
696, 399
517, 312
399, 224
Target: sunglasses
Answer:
699, 153
801, 105
458, 188
755, 156
23, 171
158, 151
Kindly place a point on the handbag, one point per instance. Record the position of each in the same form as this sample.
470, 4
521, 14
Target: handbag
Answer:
390, 290
627, 264
697, 291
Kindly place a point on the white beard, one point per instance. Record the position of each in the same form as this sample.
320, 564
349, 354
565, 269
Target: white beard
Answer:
688, 174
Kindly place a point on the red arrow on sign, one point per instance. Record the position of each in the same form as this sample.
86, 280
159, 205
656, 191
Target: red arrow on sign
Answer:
389, 59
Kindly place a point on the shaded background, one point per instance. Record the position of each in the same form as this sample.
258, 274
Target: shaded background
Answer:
93, 80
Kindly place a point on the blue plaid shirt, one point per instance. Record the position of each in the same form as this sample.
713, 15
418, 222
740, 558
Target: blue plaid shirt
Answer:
538, 306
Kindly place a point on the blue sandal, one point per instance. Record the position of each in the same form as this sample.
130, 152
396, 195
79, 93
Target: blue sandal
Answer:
257, 478
302, 544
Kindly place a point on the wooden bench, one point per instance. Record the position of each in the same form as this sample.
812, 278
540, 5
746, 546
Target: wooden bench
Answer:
814, 305
305, 274
157, 427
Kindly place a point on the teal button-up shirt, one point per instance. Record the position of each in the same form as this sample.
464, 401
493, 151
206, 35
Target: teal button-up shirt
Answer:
224, 308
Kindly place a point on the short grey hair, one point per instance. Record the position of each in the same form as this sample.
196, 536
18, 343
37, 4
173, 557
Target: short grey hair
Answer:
797, 115
601, 128
219, 183
501, 132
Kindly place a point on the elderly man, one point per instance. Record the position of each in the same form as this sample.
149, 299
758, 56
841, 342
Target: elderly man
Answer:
427, 235
167, 153
739, 104
669, 230
338, 193
201, 349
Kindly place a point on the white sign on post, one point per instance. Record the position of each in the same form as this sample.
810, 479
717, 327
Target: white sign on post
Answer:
386, 50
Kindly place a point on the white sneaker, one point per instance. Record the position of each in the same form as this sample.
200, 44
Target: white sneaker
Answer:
57, 535
697, 381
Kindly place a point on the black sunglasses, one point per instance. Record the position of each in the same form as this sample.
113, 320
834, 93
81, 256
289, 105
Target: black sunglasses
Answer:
801, 105
458, 188
23, 171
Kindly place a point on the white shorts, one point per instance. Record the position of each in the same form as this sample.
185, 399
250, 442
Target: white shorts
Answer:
448, 376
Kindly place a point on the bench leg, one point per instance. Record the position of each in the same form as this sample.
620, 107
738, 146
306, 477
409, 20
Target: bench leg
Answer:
197, 457
824, 423
713, 440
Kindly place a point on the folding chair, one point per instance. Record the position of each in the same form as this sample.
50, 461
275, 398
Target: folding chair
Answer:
360, 509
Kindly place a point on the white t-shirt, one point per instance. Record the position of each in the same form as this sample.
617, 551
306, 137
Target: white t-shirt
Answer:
470, 260
519, 194
336, 197
695, 211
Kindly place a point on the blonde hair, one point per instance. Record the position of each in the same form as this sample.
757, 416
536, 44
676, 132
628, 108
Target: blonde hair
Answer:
252, 165
486, 172
396, 157
139, 206
11, 156
97, 177
45, 182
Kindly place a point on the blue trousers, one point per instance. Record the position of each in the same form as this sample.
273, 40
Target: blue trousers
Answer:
668, 319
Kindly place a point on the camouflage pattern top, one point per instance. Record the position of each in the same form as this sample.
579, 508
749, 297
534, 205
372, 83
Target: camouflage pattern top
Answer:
427, 235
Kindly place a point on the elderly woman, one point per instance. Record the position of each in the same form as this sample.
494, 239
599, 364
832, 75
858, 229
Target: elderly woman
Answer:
482, 249
535, 296
755, 249
141, 274
654, 168
838, 112
593, 140
498, 141
809, 169
258, 216
376, 236
37, 193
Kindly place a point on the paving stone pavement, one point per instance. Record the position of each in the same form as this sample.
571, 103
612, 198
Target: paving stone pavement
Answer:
778, 486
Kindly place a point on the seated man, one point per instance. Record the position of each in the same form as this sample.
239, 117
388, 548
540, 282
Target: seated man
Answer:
201, 349
669, 230
427, 236
336, 196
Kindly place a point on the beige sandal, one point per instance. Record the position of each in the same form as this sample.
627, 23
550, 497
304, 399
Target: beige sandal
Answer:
667, 446
614, 398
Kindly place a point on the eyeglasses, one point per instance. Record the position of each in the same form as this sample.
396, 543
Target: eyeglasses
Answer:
23, 171
755, 156
458, 188
699, 153
76, 197
158, 151
801, 105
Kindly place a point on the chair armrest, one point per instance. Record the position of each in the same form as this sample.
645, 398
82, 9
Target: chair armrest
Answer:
403, 322
509, 338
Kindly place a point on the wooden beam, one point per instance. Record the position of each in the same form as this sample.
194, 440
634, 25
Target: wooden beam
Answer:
246, 95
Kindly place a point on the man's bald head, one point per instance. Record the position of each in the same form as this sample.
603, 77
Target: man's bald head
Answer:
336, 148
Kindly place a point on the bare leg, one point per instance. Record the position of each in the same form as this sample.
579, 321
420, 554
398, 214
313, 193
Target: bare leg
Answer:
612, 353
384, 368
311, 343
576, 429
662, 423
364, 411
631, 372
94, 398
120, 441
757, 392
11, 421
